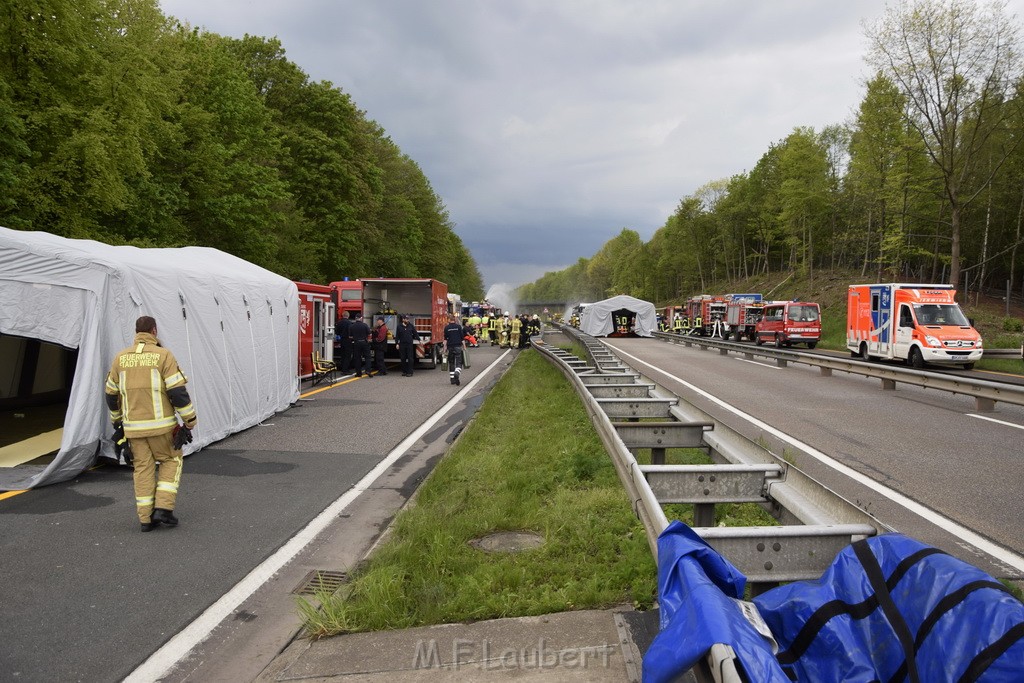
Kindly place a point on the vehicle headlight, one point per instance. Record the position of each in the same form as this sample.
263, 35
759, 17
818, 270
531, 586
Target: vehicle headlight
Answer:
978, 344
932, 341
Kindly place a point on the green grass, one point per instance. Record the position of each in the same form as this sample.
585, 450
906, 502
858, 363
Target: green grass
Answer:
576, 349
529, 461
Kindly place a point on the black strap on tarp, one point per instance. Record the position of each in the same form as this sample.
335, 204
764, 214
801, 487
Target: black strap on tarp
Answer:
873, 572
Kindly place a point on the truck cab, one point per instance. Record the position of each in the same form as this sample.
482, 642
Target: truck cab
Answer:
785, 323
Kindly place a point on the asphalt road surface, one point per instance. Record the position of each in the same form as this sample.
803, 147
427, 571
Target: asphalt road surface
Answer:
87, 597
929, 445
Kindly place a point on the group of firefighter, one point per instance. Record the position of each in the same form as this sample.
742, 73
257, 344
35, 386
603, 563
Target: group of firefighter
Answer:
682, 325
506, 331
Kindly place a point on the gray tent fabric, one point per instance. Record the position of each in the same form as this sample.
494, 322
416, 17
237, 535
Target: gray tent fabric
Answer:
232, 325
596, 319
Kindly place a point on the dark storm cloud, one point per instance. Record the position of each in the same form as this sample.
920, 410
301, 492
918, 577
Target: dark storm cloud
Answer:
547, 127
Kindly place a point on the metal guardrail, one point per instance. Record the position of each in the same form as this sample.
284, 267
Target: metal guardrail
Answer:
817, 523
985, 393
1003, 353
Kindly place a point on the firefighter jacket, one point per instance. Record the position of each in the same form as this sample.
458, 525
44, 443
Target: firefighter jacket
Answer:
145, 388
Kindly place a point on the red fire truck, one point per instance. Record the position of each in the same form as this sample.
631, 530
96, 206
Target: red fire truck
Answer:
671, 314
742, 311
316, 325
425, 301
706, 314
347, 296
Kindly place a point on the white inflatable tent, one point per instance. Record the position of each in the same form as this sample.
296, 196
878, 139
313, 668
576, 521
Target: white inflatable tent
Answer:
233, 327
597, 318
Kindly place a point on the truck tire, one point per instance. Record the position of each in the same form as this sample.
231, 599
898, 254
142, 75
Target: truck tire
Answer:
811, 345
968, 366
915, 359
758, 340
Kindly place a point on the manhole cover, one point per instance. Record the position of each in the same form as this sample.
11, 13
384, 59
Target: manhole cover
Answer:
508, 542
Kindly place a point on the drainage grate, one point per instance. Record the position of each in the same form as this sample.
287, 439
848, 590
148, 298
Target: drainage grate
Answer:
321, 581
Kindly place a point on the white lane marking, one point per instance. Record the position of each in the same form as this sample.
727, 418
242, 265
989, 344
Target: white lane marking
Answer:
757, 362
963, 533
992, 419
161, 661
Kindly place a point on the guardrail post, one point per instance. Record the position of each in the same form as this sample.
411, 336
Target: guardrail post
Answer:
826, 372
657, 456
984, 405
888, 385
781, 362
703, 514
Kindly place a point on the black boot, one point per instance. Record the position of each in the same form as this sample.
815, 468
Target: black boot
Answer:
149, 526
162, 516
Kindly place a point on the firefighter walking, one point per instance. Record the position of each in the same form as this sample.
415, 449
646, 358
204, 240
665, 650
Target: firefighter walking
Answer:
516, 328
146, 395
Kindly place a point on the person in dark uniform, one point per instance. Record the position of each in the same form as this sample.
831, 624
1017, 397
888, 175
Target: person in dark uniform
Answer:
524, 326
345, 339
360, 333
406, 336
454, 345
380, 345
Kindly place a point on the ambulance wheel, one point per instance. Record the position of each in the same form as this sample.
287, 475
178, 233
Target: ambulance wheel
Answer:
864, 352
915, 359
968, 366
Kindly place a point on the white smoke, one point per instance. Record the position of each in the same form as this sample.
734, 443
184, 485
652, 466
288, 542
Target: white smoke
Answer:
503, 296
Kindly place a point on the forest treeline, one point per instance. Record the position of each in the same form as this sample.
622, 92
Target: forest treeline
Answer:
120, 124
924, 183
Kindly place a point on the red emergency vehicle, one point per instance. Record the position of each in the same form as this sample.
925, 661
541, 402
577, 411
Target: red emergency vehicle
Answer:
789, 322
915, 323
347, 296
706, 314
671, 315
425, 301
316, 325
742, 312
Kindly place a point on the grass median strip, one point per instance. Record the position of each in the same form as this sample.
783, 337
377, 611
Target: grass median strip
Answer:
530, 461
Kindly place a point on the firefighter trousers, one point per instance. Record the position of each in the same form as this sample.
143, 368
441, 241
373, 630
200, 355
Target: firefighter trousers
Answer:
157, 473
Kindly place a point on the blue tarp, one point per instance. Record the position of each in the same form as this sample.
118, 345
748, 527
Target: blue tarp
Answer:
889, 608
893, 609
697, 592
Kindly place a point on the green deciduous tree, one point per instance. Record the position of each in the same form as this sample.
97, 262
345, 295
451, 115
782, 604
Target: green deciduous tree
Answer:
956, 62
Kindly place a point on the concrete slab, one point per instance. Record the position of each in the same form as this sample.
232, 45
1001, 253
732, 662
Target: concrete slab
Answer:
571, 646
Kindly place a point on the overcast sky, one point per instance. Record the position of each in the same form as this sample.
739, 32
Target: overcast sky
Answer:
547, 126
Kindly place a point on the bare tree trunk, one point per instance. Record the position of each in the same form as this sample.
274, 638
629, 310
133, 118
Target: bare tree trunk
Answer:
984, 241
1016, 242
867, 245
954, 249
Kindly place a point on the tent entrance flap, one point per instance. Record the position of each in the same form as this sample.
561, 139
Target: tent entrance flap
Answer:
35, 385
623, 320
